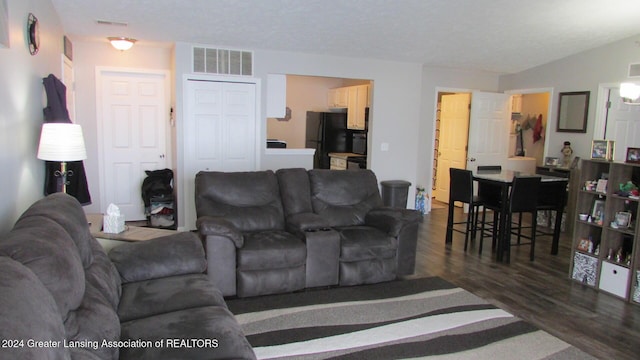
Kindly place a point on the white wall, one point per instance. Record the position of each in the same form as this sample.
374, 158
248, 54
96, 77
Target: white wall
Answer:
21, 102
581, 72
395, 113
90, 55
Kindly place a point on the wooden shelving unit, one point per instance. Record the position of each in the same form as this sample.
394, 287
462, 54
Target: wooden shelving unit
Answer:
605, 253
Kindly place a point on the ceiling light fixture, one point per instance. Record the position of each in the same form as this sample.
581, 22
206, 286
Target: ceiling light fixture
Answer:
630, 92
122, 43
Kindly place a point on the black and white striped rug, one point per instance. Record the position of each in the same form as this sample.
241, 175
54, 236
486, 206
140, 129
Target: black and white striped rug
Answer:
420, 318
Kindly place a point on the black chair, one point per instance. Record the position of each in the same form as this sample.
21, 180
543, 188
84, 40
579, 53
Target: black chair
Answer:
461, 189
552, 197
523, 198
490, 195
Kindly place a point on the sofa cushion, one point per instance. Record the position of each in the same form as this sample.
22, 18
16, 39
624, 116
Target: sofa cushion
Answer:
28, 311
103, 275
358, 243
249, 200
177, 254
152, 297
66, 211
344, 197
294, 190
271, 250
48, 250
218, 333
93, 321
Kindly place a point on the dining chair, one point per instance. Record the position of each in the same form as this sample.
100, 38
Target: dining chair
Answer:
490, 195
523, 198
552, 197
461, 189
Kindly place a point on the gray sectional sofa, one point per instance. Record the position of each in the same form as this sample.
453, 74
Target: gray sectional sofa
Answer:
61, 297
267, 232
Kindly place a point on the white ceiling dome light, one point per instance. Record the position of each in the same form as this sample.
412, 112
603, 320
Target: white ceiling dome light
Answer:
122, 43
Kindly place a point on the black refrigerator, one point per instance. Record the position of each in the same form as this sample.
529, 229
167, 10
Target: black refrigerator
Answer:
327, 132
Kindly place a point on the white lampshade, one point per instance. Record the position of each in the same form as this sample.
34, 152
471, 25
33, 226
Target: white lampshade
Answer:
121, 43
61, 142
630, 91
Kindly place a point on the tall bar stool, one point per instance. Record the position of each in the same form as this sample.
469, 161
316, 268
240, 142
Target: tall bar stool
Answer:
523, 198
491, 195
461, 189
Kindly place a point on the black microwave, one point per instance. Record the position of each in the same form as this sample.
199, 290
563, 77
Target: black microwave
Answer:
359, 144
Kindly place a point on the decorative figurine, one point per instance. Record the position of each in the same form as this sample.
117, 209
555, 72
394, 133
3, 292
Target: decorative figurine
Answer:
566, 151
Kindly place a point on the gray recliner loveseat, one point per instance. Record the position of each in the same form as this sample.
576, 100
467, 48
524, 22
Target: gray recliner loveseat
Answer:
61, 297
269, 232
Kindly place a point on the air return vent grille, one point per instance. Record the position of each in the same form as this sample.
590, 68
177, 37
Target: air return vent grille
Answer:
222, 61
634, 70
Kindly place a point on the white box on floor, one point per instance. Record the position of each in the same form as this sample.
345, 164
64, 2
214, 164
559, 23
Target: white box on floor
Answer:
614, 279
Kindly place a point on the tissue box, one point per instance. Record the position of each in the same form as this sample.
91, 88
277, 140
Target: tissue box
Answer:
113, 224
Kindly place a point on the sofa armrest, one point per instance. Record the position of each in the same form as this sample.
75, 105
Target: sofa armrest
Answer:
392, 220
209, 225
178, 254
299, 223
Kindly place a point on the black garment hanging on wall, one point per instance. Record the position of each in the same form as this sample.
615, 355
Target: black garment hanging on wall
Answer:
56, 111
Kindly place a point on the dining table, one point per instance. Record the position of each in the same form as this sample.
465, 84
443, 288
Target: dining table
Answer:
504, 179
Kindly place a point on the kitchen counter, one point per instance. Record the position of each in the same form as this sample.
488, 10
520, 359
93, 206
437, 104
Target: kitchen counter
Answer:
345, 156
339, 161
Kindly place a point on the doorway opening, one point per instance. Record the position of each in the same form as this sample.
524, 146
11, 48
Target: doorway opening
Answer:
498, 129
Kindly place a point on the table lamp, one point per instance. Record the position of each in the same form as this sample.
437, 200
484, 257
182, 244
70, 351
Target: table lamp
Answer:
62, 142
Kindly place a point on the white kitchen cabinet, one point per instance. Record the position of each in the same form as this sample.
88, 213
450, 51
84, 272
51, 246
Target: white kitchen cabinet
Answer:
358, 100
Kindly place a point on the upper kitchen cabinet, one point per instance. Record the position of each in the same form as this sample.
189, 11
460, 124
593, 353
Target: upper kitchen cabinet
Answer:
356, 109
338, 98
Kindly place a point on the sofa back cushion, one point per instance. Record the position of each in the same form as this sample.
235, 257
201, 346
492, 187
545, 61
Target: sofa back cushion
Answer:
48, 250
28, 312
249, 200
344, 197
52, 240
67, 212
295, 191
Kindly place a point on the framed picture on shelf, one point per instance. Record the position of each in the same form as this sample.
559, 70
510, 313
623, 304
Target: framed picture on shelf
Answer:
601, 187
600, 149
633, 155
597, 211
551, 161
623, 219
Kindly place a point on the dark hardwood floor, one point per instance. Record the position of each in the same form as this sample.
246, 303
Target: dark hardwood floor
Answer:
539, 292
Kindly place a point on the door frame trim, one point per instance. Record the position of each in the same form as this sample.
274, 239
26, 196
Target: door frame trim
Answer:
99, 73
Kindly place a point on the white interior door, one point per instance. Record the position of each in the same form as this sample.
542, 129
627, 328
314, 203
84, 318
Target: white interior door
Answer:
132, 116
220, 125
452, 141
488, 129
622, 125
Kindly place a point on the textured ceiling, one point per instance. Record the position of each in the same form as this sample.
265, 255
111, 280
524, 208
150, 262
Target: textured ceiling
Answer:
503, 36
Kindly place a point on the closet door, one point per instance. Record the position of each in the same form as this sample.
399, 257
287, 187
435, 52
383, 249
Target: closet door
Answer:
220, 133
